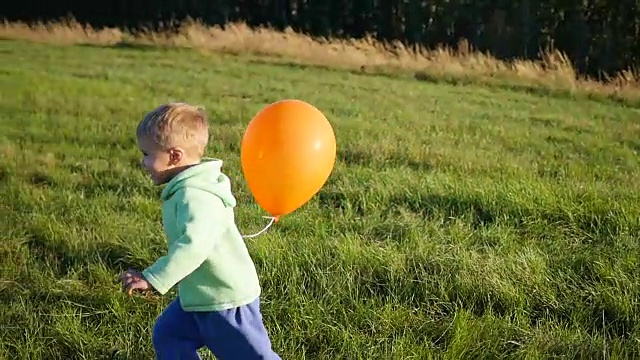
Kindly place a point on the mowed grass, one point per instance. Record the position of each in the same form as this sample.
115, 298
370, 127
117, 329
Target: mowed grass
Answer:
460, 222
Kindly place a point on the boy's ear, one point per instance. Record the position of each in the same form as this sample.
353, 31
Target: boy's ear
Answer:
175, 155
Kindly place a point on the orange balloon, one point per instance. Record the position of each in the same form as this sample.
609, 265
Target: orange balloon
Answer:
287, 152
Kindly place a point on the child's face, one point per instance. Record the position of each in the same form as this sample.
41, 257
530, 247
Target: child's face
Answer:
158, 163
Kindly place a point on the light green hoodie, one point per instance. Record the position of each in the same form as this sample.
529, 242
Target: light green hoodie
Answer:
207, 257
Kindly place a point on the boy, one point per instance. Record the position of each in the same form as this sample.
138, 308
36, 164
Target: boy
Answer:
218, 303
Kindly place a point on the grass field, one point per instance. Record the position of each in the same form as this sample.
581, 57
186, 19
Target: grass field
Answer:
461, 222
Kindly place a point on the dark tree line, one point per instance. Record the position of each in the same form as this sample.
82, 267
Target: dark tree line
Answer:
599, 36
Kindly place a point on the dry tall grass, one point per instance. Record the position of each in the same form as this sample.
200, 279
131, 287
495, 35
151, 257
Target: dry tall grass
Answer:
553, 72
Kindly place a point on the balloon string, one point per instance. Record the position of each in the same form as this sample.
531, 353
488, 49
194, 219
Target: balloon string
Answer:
273, 219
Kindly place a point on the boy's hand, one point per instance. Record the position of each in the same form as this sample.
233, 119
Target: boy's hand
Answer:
134, 280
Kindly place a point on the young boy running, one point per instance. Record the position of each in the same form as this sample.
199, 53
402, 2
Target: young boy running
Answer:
218, 303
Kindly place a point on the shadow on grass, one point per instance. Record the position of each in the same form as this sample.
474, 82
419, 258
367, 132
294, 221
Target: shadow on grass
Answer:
451, 207
596, 225
4, 174
126, 45
108, 182
39, 178
358, 157
427, 205
388, 73
62, 259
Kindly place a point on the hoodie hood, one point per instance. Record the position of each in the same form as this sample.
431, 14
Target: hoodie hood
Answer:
207, 176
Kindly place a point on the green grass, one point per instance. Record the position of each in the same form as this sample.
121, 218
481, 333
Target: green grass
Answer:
460, 222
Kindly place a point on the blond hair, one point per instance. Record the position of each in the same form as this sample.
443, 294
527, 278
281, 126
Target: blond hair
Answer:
176, 124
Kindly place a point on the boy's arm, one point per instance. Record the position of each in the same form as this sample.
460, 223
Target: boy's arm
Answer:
200, 222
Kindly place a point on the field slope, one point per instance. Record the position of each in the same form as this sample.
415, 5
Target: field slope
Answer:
461, 222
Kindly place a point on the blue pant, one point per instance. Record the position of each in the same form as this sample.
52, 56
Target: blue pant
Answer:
236, 333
